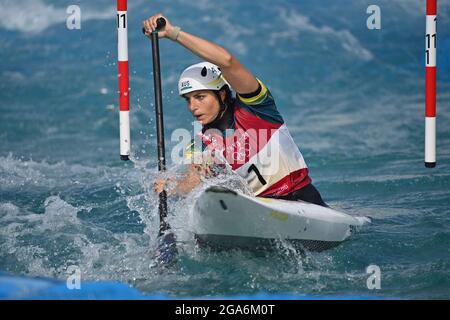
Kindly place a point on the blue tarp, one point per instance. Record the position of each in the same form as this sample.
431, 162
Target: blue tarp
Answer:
17, 287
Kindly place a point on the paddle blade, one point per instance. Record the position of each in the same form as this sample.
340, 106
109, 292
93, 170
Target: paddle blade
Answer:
166, 250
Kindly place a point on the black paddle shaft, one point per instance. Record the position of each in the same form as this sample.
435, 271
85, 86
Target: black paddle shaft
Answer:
161, 22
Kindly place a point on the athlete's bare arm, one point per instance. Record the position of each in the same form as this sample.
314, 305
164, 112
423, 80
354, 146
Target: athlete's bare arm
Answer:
190, 180
240, 79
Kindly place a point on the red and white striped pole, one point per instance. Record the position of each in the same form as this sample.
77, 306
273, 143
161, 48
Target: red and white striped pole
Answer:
430, 85
124, 99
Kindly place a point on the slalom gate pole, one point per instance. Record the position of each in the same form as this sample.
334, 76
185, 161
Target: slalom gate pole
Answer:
430, 85
124, 99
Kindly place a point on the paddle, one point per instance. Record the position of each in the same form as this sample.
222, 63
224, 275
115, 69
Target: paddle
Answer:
166, 251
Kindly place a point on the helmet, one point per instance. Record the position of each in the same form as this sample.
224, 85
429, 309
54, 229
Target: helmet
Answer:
201, 76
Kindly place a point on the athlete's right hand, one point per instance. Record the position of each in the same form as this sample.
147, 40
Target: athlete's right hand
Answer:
150, 25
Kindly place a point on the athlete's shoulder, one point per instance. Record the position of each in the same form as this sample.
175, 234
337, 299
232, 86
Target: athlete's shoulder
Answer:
260, 103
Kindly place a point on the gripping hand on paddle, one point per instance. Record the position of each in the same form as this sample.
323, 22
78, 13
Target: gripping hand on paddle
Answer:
159, 185
149, 25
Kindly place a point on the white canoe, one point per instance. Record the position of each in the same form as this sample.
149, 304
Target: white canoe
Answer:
229, 219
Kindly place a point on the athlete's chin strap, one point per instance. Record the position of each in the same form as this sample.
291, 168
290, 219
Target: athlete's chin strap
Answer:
223, 108
224, 119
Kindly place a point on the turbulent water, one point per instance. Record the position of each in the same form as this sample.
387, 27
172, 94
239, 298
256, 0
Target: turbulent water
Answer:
353, 99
